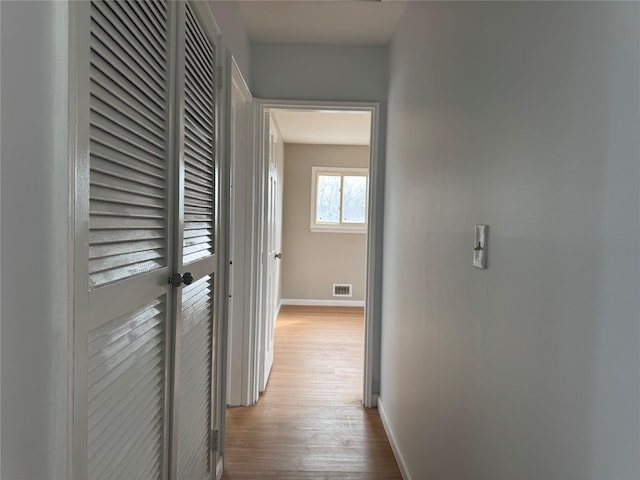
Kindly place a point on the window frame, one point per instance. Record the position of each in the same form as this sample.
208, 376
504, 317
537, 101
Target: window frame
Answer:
337, 227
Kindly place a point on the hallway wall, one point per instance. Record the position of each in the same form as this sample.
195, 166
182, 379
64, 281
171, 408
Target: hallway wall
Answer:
524, 116
35, 256
234, 35
314, 261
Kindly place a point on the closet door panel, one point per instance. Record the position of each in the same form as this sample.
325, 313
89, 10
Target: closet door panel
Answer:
129, 241
146, 209
128, 141
197, 320
126, 395
195, 380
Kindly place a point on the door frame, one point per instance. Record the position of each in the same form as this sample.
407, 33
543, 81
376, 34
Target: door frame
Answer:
240, 322
263, 107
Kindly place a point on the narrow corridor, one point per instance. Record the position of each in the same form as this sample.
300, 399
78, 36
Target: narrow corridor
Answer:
310, 422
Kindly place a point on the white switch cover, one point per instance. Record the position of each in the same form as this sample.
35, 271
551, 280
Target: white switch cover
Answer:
480, 246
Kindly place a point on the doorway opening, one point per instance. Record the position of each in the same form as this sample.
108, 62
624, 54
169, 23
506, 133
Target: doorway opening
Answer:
338, 213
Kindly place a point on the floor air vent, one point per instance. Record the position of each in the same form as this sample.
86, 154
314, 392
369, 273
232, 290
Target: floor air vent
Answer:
341, 290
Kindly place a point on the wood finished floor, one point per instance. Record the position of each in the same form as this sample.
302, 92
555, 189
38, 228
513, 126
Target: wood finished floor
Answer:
310, 423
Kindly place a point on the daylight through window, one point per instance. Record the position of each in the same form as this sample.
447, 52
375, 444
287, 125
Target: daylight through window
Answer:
339, 199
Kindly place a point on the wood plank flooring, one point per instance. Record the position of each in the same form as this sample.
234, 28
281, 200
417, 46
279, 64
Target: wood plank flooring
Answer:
310, 423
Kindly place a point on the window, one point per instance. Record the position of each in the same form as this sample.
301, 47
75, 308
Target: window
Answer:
339, 199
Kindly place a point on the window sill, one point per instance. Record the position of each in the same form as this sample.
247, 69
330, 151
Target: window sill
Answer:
337, 230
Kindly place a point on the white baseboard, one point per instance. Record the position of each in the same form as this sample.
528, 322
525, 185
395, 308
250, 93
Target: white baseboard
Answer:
322, 303
404, 471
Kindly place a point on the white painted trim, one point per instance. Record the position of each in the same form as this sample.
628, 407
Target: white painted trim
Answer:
240, 315
65, 198
335, 229
219, 468
322, 303
340, 227
402, 464
373, 293
374, 223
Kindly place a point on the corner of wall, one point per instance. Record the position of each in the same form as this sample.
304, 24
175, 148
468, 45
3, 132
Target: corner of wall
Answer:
395, 447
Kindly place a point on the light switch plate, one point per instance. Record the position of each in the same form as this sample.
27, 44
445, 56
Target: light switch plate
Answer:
480, 246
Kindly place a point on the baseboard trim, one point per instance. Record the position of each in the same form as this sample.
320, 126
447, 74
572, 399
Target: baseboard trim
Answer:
322, 303
404, 471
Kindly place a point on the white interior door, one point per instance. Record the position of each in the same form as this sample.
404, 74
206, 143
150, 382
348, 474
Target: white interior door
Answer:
195, 380
124, 227
146, 211
272, 261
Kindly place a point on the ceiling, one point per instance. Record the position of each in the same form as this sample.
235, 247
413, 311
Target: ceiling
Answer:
322, 22
323, 127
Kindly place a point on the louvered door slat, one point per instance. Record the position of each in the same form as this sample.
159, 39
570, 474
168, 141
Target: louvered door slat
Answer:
198, 130
193, 199
145, 42
195, 178
154, 15
196, 101
104, 74
195, 380
116, 22
123, 107
123, 170
194, 160
199, 42
103, 239
134, 195
100, 251
197, 119
202, 81
124, 133
197, 173
128, 189
129, 181
200, 50
197, 196
198, 139
110, 54
127, 157
199, 147
126, 363
141, 127
110, 406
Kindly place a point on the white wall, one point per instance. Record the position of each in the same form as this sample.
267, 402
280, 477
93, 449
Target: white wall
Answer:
524, 116
314, 261
328, 73
234, 35
34, 253
308, 72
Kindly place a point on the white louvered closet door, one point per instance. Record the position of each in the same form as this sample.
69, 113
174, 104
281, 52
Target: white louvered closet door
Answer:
146, 189
197, 325
129, 240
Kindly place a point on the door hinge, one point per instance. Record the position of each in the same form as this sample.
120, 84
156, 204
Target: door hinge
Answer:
220, 76
215, 440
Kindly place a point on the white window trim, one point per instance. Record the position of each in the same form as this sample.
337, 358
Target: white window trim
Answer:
336, 227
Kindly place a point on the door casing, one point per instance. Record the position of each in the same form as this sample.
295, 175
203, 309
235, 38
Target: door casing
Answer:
242, 390
374, 228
